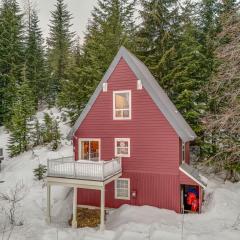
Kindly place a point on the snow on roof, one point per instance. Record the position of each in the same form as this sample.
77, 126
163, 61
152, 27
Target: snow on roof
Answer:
193, 174
157, 94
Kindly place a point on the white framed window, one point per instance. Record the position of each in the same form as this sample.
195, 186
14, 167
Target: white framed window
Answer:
122, 188
122, 105
122, 147
89, 149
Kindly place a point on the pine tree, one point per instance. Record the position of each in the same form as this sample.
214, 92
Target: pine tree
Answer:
56, 136
51, 132
157, 39
209, 27
59, 45
71, 96
11, 55
36, 135
111, 26
191, 72
40, 172
22, 110
35, 61
48, 128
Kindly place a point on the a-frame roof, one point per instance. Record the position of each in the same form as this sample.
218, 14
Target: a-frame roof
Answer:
149, 83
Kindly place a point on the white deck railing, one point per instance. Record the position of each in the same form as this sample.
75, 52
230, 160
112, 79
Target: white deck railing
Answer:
83, 169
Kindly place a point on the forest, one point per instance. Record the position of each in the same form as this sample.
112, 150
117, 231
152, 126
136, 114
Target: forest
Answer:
191, 47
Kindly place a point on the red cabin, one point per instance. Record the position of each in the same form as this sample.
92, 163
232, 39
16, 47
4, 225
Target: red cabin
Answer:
130, 116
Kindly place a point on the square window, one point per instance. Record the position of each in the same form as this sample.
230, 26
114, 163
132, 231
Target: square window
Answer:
122, 188
122, 147
89, 149
121, 105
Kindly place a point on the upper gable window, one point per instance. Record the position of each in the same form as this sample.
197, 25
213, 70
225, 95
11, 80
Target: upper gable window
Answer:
121, 105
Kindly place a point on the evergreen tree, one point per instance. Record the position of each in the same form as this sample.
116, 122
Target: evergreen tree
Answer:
191, 72
59, 45
111, 26
11, 55
22, 110
71, 96
35, 61
56, 136
36, 135
51, 132
209, 27
40, 172
158, 39
48, 128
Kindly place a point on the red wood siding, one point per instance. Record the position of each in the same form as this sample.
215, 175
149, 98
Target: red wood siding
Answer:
153, 165
184, 179
154, 143
157, 190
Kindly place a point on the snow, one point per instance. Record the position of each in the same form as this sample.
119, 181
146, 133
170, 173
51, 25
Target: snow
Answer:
220, 219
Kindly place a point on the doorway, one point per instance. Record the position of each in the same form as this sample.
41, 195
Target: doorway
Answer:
190, 199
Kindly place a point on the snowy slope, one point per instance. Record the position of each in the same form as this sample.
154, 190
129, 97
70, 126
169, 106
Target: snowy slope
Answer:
220, 220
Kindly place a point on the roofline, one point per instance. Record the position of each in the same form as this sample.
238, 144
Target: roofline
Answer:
193, 178
157, 94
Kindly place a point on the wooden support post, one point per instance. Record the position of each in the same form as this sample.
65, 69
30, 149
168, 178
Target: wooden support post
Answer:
48, 203
102, 225
200, 199
74, 220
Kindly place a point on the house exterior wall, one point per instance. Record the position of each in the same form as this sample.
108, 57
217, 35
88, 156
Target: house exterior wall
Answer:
157, 190
153, 165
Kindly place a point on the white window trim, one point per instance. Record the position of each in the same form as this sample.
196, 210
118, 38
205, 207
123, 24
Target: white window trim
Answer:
130, 105
115, 188
115, 147
88, 139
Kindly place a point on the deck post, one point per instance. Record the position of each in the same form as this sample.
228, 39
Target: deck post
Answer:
48, 203
102, 225
74, 220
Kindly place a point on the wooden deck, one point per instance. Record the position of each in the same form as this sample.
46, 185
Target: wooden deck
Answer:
81, 174
83, 169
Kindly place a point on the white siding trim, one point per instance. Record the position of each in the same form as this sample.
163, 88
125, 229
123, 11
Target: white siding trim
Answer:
105, 87
130, 105
139, 85
115, 147
115, 189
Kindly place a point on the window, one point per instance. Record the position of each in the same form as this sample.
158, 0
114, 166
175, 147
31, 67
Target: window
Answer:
122, 188
122, 147
121, 105
89, 149
183, 152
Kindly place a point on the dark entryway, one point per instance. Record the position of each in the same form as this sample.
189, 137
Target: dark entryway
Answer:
189, 199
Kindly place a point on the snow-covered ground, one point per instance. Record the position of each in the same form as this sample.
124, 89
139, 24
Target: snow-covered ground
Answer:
219, 221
